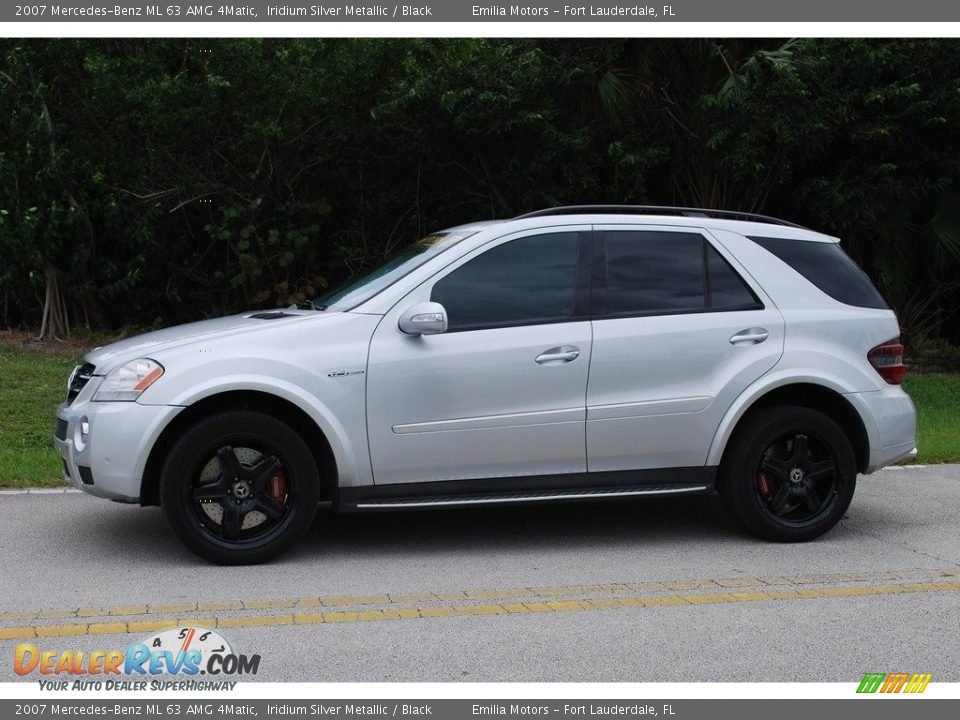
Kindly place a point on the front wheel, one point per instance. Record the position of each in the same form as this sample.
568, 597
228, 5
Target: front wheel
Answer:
240, 487
789, 474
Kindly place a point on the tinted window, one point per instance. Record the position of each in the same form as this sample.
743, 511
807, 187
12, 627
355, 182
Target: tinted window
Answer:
828, 267
650, 272
521, 282
727, 290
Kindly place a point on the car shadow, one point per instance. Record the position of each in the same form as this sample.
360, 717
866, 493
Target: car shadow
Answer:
550, 526
139, 534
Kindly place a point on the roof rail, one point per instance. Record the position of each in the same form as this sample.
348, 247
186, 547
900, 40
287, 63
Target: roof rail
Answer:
658, 210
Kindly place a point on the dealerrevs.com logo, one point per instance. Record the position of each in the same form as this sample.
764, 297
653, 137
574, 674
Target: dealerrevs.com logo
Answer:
895, 682
188, 652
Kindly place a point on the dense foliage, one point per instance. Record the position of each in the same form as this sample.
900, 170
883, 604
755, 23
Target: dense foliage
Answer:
152, 181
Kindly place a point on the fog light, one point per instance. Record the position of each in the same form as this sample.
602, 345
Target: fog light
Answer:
80, 435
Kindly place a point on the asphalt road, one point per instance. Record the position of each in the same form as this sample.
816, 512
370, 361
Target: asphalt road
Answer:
648, 590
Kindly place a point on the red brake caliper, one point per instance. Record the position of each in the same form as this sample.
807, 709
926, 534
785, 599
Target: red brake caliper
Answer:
763, 485
277, 487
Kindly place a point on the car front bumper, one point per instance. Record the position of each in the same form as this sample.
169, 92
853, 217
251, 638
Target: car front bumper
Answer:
104, 445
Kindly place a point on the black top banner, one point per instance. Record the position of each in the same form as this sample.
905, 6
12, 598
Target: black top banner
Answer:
542, 11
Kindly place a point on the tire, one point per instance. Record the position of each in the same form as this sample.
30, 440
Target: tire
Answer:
788, 474
240, 487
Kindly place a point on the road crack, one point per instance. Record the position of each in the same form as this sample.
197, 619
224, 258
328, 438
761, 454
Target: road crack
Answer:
930, 556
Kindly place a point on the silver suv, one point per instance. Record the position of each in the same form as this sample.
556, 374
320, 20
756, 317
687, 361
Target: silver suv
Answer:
577, 352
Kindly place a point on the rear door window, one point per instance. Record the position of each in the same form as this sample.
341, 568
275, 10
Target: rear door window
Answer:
726, 290
649, 272
653, 272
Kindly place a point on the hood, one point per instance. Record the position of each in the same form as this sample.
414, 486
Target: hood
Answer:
107, 357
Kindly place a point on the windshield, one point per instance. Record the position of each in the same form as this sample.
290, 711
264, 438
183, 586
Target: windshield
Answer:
362, 287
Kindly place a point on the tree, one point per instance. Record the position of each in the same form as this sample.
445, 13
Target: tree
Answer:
148, 182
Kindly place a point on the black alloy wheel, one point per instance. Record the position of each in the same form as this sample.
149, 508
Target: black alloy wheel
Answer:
798, 478
240, 487
788, 473
246, 500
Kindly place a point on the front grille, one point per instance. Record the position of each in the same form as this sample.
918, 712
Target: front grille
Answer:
81, 376
86, 474
61, 429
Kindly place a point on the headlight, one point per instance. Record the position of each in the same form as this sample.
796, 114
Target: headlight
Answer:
129, 380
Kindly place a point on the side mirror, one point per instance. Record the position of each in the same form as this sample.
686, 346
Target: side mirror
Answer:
428, 318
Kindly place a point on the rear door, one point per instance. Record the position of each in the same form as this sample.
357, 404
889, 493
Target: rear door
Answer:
679, 331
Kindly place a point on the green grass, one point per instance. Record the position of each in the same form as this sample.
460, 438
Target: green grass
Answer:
33, 382
937, 397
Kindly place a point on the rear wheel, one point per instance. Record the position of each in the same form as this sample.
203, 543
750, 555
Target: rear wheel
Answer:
240, 487
789, 474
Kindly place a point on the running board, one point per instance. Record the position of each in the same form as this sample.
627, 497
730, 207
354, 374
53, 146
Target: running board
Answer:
503, 498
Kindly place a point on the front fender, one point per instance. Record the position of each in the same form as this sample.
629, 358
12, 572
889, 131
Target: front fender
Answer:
343, 427
340, 443
318, 367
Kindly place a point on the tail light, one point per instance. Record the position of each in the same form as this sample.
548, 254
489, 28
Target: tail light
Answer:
887, 359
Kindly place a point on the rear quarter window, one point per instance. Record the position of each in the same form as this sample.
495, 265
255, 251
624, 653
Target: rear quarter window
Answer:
828, 267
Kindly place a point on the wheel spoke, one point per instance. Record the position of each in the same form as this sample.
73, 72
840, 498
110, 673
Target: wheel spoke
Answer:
820, 470
800, 448
263, 471
232, 521
780, 498
214, 491
269, 507
778, 468
810, 498
229, 465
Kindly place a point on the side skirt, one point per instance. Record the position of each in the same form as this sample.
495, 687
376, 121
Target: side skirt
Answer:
524, 489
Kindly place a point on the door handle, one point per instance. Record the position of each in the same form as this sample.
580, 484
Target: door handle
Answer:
556, 355
750, 336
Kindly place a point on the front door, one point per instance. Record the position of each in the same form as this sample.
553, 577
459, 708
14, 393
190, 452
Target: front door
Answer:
502, 392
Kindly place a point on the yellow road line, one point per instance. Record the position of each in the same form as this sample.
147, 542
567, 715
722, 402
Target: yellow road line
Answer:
471, 609
720, 586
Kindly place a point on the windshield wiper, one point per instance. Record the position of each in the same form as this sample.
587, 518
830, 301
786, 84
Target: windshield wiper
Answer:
310, 305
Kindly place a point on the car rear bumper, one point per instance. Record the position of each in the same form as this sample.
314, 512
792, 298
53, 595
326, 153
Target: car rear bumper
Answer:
890, 420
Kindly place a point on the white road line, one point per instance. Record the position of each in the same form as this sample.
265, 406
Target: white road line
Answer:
39, 491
